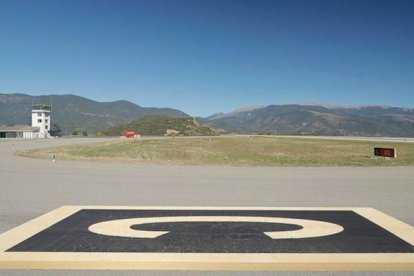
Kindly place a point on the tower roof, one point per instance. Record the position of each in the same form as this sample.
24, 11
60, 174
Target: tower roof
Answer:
45, 107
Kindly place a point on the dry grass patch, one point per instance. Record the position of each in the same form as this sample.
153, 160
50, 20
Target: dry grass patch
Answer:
240, 151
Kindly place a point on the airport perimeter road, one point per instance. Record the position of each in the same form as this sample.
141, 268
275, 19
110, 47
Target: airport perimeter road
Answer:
32, 187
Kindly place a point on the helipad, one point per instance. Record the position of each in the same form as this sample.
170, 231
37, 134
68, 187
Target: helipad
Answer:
209, 238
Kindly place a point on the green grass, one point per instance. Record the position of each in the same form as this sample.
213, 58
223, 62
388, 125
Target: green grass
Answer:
239, 151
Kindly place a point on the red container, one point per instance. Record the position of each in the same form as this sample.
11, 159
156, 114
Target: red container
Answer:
129, 134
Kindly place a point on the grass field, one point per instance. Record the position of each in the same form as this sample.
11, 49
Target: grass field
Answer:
239, 151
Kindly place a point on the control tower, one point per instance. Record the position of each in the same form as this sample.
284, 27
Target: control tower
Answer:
41, 119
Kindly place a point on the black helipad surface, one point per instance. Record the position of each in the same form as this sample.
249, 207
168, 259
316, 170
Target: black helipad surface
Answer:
360, 235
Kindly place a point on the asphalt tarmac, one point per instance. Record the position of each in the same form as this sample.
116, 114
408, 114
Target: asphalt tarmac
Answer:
32, 187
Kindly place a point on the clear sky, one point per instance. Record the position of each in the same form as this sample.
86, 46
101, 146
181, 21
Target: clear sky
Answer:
204, 57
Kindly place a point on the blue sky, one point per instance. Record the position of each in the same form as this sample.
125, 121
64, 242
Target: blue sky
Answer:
204, 57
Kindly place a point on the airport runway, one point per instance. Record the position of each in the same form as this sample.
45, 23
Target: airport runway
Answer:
32, 187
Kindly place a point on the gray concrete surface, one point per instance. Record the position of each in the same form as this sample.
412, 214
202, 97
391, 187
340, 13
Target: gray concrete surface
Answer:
356, 138
31, 187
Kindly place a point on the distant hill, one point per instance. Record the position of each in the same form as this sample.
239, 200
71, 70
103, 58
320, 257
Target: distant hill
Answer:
318, 120
72, 112
157, 125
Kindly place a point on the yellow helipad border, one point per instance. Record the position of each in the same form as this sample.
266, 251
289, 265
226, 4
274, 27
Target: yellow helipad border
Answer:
204, 261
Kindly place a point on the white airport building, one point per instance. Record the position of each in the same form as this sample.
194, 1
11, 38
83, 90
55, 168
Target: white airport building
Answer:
40, 127
19, 131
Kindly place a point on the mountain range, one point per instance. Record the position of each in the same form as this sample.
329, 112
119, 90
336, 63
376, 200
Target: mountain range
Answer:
318, 120
72, 112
